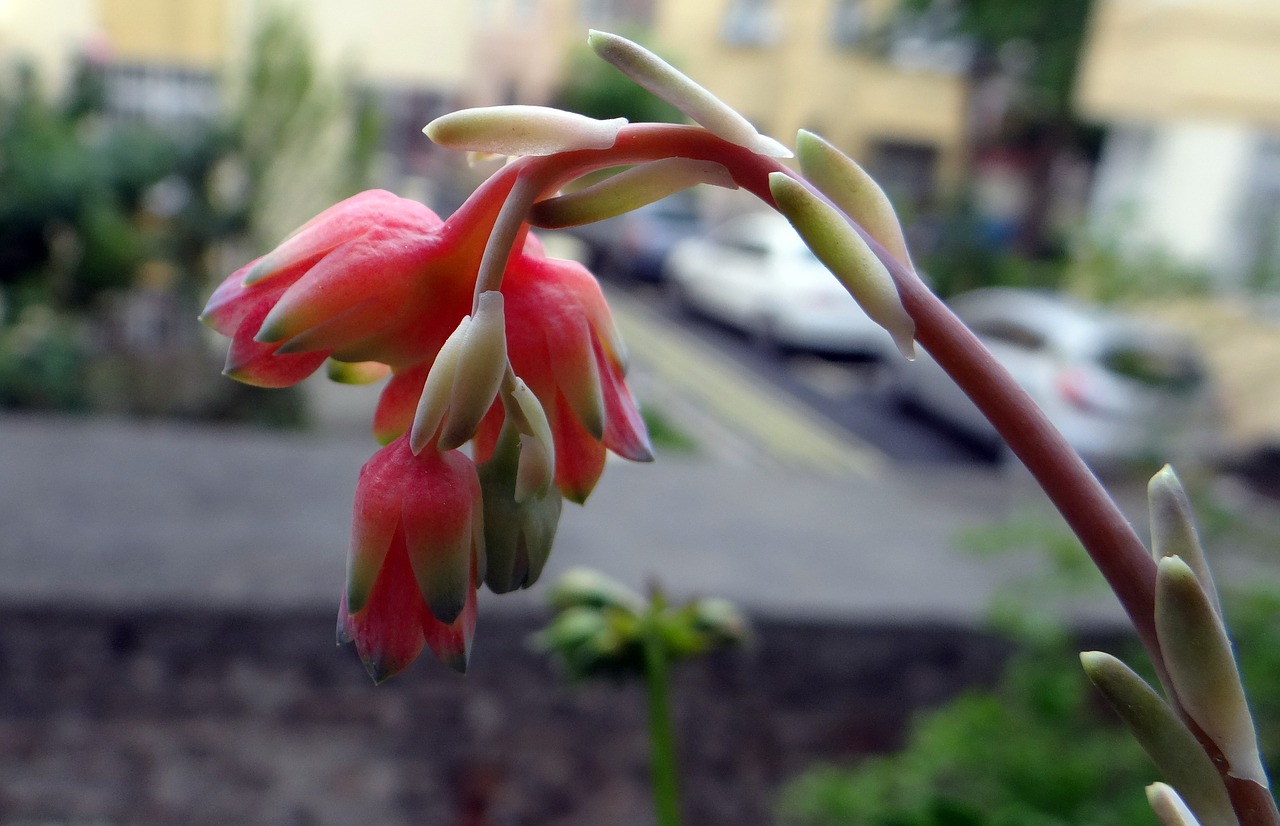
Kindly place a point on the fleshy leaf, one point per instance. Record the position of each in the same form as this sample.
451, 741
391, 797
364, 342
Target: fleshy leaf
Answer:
1171, 745
1199, 660
664, 80
839, 246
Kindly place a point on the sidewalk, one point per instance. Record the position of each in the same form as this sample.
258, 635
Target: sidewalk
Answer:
120, 514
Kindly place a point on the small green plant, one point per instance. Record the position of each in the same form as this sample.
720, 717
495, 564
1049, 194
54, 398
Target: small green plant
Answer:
604, 629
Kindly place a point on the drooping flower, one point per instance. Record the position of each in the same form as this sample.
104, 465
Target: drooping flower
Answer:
417, 556
379, 282
378, 278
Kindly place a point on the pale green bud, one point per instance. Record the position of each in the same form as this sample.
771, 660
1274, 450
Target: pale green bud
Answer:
518, 534
1202, 669
1169, 808
586, 587
1170, 744
522, 130
839, 246
1173, 529
849, 187
482, 361
664, 80
358, 372
536, 469
640, 185
437, 389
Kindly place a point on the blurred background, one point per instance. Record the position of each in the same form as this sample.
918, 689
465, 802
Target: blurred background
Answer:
1094, 184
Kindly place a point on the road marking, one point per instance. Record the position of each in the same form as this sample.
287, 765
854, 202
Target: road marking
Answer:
782, 428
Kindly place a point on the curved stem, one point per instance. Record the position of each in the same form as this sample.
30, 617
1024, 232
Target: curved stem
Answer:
1075, 491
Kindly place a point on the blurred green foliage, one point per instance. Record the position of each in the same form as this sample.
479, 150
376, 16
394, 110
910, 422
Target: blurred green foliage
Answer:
1052, 29
73, 194
601, 628
1040, 749
113, 228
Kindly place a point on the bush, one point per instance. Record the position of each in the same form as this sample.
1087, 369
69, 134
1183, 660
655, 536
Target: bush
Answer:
1040, 750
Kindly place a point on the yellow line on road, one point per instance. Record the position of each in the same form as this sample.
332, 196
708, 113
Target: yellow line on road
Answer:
782, 428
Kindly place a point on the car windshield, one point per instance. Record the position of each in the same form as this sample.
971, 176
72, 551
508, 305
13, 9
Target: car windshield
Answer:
1165, 365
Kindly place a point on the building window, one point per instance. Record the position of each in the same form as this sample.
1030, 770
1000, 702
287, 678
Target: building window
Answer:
907, 171
751, 23
847, 23
617, 13
161, 94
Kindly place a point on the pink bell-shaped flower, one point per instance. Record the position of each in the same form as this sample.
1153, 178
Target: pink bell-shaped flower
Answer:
416, 559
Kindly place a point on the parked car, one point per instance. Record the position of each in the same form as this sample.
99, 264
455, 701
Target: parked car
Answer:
1119, 388
754, 273
635, 245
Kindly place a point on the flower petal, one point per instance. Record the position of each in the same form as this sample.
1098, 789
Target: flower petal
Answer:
377, 272
438, 512
252, 362
397, 403
451, 642
579, 455
375, 521
624, 429
339, 223
389, 631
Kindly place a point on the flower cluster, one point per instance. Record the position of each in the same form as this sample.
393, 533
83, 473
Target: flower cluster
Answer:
382, 283
485, 340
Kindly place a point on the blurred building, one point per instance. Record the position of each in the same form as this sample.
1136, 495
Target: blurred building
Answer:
1190, 92
898, 103
896, 100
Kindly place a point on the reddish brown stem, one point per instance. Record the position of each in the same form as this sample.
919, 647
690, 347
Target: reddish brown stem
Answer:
1075, 491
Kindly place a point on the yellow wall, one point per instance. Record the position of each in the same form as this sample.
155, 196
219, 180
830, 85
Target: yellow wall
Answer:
1150, 59
190, 33
804, 80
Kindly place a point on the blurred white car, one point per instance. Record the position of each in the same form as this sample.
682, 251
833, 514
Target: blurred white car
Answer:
1119, 388
754, 273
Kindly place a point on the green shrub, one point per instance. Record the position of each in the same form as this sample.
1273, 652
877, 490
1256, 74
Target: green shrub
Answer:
1041, 749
